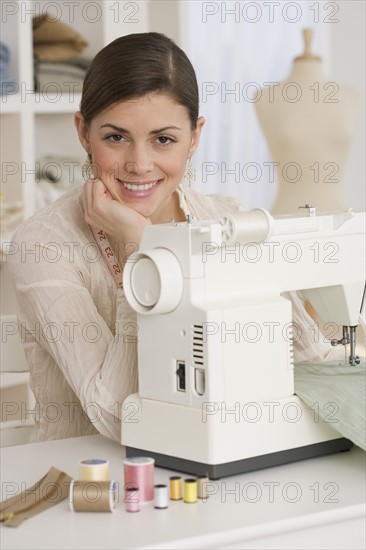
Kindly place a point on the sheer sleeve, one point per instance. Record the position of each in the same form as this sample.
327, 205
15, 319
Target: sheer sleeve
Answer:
62, 304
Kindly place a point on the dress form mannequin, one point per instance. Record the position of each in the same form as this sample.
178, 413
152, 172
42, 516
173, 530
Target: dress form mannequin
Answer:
308, 123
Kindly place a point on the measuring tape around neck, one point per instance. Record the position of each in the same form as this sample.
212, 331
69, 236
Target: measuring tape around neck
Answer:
108, 255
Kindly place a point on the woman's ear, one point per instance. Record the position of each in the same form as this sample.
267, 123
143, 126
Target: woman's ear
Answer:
196, 134
82, 130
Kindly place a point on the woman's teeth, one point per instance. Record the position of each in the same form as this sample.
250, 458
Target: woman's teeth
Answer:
140, 187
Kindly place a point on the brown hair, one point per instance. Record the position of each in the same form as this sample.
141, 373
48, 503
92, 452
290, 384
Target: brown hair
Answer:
135, 65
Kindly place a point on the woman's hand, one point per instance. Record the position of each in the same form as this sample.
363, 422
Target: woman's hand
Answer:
113, 216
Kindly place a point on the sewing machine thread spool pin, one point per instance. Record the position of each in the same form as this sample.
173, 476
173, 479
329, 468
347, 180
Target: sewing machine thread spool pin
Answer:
310, 208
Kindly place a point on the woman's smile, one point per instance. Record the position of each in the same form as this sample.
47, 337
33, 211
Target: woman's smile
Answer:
138, 188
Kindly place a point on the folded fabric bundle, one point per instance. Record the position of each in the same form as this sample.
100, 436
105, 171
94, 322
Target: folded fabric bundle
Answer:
63, 77
11, 215
79, 61
53, 40
51, 489
54, 176
7, 84
66, 76
4, 59
338, 393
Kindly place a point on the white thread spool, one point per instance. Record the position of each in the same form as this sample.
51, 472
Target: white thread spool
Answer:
201, 486
161, 496
253, 226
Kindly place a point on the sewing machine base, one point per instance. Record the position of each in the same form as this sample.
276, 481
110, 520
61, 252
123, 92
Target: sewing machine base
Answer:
217, 471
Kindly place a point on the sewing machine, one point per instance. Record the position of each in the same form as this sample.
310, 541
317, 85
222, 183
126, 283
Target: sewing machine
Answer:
215, 336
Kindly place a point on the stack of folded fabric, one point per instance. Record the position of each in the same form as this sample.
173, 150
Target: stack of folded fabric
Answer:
7, 84
11, 215
61, 76
58, 65
54, 176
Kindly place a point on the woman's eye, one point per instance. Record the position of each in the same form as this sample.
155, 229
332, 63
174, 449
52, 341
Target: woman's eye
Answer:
115, 138
165, 140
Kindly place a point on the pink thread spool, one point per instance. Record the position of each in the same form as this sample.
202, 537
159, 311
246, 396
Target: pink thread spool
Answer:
132, 499
139, 472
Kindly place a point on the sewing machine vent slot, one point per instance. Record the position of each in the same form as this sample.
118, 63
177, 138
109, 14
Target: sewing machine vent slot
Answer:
197, 345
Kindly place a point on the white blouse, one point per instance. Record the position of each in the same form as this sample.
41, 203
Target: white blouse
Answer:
78, 330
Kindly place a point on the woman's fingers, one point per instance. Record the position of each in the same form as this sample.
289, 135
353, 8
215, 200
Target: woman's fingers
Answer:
105, 212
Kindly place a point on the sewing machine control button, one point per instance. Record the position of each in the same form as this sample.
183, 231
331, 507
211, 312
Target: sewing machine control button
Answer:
199, 381
181, 376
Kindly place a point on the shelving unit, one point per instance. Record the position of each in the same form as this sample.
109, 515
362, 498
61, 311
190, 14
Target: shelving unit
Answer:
35, 125
38, 124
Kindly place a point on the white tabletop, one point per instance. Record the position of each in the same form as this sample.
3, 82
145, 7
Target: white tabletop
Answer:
316, 503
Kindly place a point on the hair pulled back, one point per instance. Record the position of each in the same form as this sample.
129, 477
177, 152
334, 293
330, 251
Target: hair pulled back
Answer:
135, 65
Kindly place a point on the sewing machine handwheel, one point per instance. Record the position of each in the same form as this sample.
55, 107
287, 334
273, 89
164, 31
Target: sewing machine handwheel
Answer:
153, 281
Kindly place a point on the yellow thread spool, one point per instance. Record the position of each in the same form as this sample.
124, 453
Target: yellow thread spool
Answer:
190, 490
175, 488
94, 469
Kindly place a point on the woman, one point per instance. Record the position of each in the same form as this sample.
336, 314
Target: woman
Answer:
139, 125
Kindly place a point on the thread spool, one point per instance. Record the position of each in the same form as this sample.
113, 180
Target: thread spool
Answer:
254, 226
175, 486
190, 491
202, 486
139, 472
92, 496
94, 469
132, 499
161, 496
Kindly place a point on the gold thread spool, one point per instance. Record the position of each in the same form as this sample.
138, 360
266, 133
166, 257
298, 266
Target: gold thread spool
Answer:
175, 488
202, 486
92, 496
190, 490
94, 469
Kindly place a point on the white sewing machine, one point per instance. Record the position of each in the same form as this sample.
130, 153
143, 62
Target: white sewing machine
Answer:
215, 339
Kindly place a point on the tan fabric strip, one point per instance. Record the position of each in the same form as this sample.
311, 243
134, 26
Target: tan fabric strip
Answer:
48, 491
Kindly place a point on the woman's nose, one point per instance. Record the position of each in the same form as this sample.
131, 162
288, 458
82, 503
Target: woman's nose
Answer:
138, 161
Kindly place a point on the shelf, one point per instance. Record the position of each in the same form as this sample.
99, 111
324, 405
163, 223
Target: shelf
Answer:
40, 103
10, 104
56, 103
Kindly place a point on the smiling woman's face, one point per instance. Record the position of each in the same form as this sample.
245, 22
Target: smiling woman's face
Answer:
139, 149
